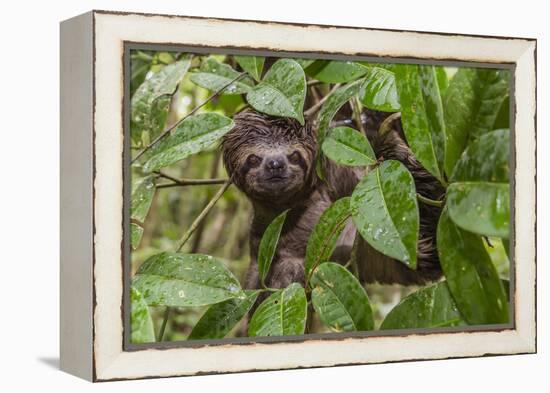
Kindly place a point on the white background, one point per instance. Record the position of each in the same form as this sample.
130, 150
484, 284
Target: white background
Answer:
29, 196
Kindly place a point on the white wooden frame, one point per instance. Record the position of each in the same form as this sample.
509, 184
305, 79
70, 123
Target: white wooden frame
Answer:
92, 141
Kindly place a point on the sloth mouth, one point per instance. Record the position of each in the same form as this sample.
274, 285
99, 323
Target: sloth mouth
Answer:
276, 178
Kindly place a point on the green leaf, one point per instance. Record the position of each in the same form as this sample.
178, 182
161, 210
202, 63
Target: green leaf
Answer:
141, 324
503, 117
142, 197
214, 75
252, 64
332, 71
147, 114
185, 280
506, 246
379, 91
136, 232
429, 307
191, 136
479, 198
485, 159
422, 115
480, 207
442, 79
282, 92
472, 102
331, 106
281, 314
385, 211
220, 318
304, 63
340, 300
268, 244
138, 68
346, 146
325, 234
471, 276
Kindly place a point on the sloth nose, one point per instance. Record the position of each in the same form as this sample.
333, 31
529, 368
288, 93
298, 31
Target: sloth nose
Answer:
276, 164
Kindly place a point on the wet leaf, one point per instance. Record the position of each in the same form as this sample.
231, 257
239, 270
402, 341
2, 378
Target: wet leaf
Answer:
422, 115
191, 136
325, 234
472, 102
471, 276
385, 211
214, 75
442, 79
479, 198
139, 67
141, 324
333, 71
340, 300
485, 159
220, 318
331, 106
379, 92
252, 64
480, 207
185, 280
506, 246
282, 92
304, 63
136, 232
281, 314
268, 244
346, 146
503, 117
142, 197
146, 113
429, 307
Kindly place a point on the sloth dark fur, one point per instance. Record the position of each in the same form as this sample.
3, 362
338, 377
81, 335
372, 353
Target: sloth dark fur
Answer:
272, 160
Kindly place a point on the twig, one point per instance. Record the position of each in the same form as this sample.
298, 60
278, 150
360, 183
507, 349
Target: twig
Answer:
356, 108
197, 239
385, 127
187, 182
313, 82
344, 122
353, 256
315, 93
164, 323
318, 105
429, 201
203, 214
193, 182
167, 131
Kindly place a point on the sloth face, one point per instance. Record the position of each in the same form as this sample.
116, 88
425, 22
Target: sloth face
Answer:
274, 171
270, 159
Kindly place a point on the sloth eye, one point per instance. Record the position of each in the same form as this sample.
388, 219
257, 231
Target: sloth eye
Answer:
253, 160
295, 158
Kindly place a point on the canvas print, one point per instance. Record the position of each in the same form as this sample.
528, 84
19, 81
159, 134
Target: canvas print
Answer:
281, 197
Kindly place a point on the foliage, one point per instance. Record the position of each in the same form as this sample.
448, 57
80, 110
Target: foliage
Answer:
456, 124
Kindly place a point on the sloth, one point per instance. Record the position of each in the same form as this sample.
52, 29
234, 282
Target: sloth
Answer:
272, 161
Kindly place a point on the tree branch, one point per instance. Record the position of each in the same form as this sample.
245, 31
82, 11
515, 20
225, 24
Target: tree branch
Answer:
429, 201
318, 105
187, 182
357, 115
203, 214
167, 131
385, 127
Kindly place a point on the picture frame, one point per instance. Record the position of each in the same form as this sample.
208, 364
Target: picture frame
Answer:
94, 192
